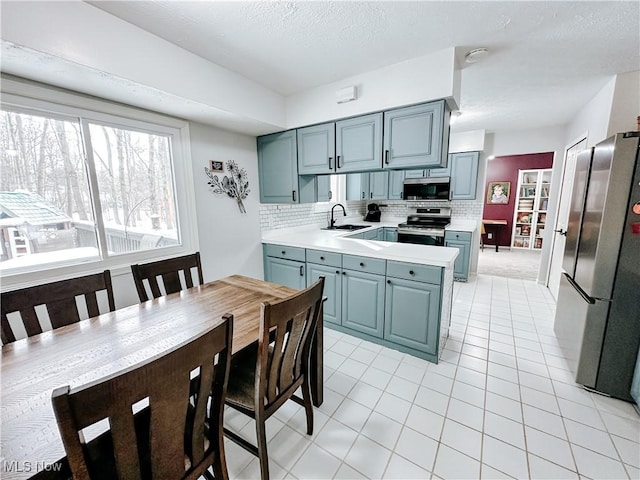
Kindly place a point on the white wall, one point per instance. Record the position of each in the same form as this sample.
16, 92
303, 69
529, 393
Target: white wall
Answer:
594, 117
625, 107
229, 240
422, 79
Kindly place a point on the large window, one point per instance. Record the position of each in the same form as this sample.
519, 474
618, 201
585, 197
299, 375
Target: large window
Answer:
80, 186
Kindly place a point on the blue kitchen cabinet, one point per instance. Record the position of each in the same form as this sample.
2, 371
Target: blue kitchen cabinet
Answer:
422, 173
416, 136
464, 175
396, 183
285, 265
278, 168
367, 186
316, 149
461, 241
363, 294
370, 234
359, 143
332, 290
363, 302
390, 234
412, 306
378, 185
323, 188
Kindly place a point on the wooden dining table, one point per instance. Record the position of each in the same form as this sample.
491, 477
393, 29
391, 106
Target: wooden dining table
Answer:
76, 354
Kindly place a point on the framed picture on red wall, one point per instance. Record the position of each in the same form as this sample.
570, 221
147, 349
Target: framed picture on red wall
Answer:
498, 193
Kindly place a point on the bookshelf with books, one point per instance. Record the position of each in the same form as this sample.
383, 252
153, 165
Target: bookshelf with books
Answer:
530, 214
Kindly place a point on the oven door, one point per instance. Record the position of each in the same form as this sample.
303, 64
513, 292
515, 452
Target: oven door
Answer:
420, 238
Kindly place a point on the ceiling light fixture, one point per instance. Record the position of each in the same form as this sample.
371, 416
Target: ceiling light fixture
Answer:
476, 55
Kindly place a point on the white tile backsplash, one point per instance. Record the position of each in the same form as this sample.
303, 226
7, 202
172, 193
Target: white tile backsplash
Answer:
276, 216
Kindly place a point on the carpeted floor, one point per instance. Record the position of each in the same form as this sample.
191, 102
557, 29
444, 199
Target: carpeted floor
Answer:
514, 263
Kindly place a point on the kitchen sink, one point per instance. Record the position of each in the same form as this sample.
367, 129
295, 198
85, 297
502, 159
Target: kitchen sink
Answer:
347, 226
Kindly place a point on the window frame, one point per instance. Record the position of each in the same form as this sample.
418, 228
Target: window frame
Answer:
28, 97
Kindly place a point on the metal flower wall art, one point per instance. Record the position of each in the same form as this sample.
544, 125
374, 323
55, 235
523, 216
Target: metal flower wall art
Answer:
235, 185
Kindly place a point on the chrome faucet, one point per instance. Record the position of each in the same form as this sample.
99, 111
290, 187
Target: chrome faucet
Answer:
344, 212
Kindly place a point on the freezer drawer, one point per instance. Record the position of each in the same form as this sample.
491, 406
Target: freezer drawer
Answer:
579, 326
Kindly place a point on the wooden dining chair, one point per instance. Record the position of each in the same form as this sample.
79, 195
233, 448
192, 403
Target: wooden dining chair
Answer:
166, 274
173, 436
59, 299
264, 377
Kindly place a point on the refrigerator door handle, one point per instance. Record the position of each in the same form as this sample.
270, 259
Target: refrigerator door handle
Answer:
577, 288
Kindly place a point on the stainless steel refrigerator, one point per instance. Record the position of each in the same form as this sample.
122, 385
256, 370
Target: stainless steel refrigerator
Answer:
598, 312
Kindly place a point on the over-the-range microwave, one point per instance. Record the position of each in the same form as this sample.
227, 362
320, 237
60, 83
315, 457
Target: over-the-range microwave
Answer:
427, 189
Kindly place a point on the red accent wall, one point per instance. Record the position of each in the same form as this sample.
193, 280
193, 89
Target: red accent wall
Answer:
505, 169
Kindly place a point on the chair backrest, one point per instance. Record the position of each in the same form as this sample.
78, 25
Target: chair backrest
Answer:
178, 435
167, 272
59, 299
286, 331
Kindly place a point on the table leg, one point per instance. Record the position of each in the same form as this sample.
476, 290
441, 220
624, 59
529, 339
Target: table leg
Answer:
317, 362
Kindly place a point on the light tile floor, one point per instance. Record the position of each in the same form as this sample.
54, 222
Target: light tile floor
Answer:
500, 404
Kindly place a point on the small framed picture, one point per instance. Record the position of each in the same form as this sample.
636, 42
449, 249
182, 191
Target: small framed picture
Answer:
216, 166
498, 193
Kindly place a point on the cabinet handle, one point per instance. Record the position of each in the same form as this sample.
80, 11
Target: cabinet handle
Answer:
321, 258
344, 273
389, 282
330, 167
401, 194
301, 270
330, 194
293, 194
363, 195
283, 252
370, 194
338, 272
338, 162
411, 272
361, 264
386, 157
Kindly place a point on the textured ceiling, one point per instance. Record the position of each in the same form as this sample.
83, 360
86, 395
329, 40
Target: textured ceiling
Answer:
547, 58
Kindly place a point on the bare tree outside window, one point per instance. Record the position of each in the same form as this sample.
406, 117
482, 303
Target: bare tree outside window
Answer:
47, 211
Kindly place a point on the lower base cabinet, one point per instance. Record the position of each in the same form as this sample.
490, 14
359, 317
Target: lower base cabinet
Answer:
395, 304
410, 310
332, 290
461, 241
363, 302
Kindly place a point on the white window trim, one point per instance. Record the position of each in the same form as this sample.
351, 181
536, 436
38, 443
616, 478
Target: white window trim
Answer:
25, 94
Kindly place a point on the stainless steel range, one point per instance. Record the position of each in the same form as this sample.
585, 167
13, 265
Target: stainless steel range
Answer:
425, 227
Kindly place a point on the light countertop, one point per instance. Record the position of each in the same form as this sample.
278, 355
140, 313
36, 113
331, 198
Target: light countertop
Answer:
313, 237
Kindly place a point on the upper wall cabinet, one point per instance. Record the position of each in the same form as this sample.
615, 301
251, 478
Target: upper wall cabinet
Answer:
359, 143
416, 136
278, 168
464, 175
316, 149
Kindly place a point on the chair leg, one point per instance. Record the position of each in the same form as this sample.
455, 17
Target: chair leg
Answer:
261, 437
308, 406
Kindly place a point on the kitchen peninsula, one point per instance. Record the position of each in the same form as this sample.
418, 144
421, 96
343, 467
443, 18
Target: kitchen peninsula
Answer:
394, 294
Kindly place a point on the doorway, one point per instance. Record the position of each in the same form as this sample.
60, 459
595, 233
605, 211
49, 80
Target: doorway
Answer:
562, 217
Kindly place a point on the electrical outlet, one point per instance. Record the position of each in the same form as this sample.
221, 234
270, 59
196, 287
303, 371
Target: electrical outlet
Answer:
489, 236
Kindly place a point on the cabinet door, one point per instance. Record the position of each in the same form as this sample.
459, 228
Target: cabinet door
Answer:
359, 143
396, 180
416, 136
412, 314
285, 272
363, 302
461, 265
357, 186
278, 168
378, 185
464, 175
416, 173
371, 234
391, 234
441, 172
316, 149
323, 186
332, 290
